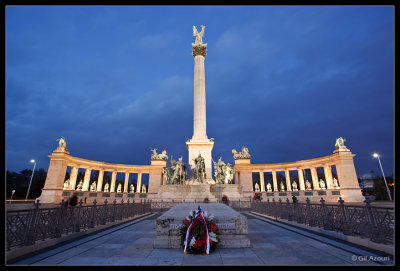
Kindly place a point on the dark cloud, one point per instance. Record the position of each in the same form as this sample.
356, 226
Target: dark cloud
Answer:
283, 81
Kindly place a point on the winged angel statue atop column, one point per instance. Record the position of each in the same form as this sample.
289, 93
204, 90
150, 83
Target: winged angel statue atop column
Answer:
198, 35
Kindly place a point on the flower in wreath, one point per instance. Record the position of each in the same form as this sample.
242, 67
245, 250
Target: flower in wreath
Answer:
199, 234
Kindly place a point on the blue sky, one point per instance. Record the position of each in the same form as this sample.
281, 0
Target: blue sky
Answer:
284, 81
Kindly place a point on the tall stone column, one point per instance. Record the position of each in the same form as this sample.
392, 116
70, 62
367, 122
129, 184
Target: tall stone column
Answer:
199, 144
100, 180
139, 183
126, 182
86, 179
72, 178
288, 183
314, 177
274, 181
328, 176
262, 183
113, 180
301, 179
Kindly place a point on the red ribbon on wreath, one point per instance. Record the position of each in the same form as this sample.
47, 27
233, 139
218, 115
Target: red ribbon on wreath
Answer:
198, 217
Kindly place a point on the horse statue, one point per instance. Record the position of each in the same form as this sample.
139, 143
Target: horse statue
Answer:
180, 172
243, 154
161, 156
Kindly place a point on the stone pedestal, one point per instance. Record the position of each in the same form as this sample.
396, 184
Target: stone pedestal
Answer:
200, 192
233, 227
204, 148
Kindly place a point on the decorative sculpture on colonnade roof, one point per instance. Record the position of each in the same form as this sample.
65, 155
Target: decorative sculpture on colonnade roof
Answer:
243, 154
177, 173
340, 143
62, 145
160, 156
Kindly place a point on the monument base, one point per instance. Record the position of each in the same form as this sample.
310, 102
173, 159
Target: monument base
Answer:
233, 227
198, 192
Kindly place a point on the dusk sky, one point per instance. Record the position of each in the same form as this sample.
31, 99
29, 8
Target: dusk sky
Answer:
284, 81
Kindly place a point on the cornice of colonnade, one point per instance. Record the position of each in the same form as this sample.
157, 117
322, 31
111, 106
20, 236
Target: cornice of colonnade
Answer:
301, 164
97, 165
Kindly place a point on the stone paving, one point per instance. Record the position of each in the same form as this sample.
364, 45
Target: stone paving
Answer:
272, 243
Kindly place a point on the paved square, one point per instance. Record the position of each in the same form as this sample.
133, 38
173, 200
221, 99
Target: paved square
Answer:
272, 243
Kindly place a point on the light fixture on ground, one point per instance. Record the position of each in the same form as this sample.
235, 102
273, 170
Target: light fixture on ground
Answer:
29, 187
379, 160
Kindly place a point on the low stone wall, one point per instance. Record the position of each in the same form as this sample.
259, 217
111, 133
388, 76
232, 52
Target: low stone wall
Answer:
100, 197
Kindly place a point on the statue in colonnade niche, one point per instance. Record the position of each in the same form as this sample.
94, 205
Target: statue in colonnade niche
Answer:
119, 188
200, 168
269, 189
308, 185
322, 184
282, 187
335, 183
80, 185
93, 186
66, 184
132, 188
294, 186
106, 187
256, 188
144, 189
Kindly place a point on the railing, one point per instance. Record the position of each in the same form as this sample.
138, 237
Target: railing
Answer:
375, 223
25, 227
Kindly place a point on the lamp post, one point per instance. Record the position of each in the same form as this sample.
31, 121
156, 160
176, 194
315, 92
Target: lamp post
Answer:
387, 188
12, 194
29, 187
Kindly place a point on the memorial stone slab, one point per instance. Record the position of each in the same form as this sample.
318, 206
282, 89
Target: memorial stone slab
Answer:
233, 227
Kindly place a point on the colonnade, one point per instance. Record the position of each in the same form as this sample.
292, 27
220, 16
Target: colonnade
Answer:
302, 185
344, 184
99, 183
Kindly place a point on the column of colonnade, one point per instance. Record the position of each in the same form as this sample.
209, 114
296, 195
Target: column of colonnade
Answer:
99, 183
302, 187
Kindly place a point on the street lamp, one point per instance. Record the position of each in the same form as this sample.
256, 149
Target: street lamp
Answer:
387, 188
29, 187
12, 194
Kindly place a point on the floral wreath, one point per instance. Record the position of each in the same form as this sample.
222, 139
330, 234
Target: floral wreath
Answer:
199, 234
